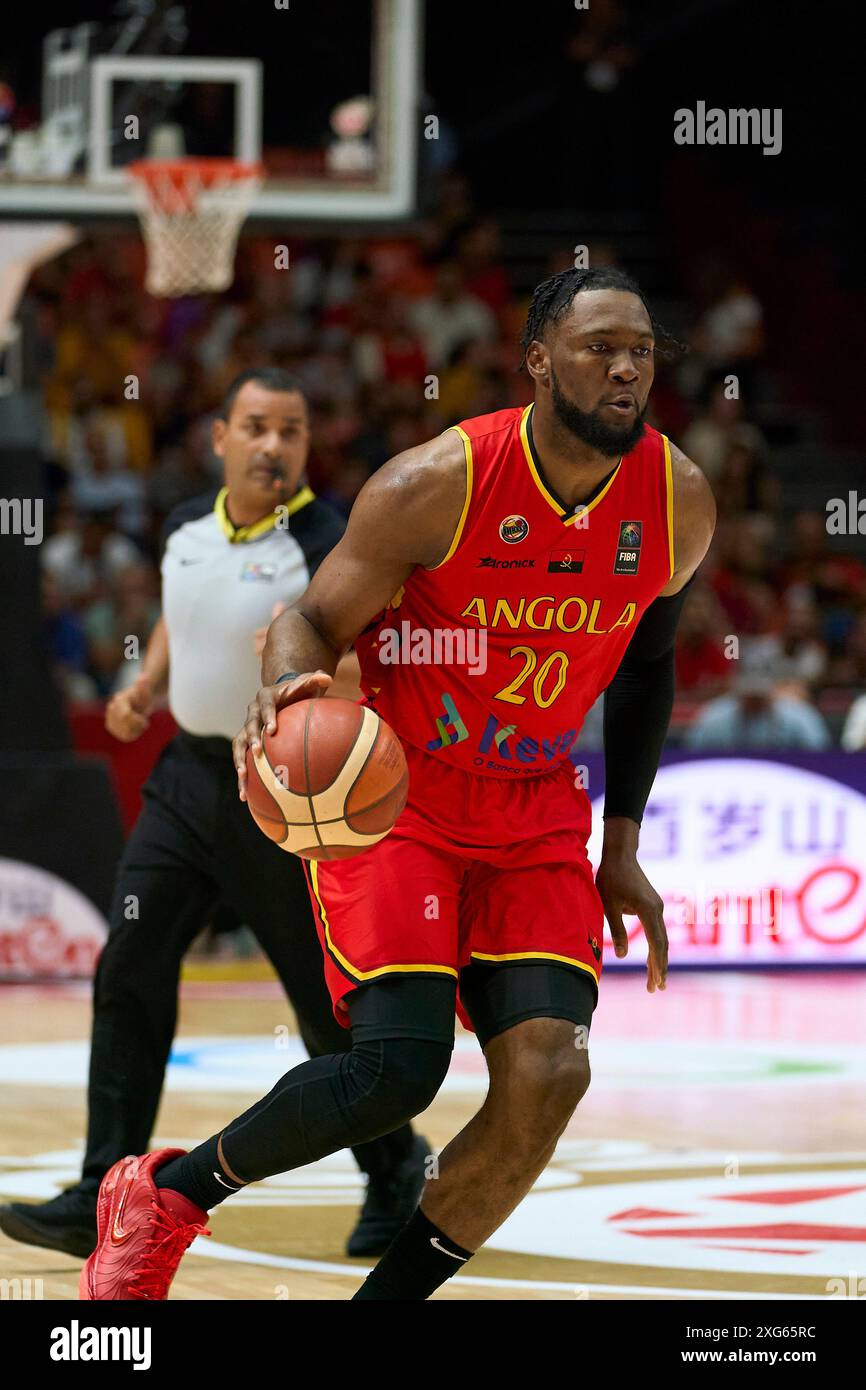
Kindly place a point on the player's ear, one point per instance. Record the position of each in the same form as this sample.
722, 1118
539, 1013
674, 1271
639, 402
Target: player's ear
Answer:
217, 435
537, 361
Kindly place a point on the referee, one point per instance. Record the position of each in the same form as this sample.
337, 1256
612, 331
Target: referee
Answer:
228, 559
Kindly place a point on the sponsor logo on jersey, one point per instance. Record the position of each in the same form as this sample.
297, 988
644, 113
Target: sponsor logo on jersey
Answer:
499, 745
253, 573
499, 739
628, 547
514, 528
487, 562
450, 726
566, 561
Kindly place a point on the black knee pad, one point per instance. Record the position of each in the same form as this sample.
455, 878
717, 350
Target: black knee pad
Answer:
397, 1078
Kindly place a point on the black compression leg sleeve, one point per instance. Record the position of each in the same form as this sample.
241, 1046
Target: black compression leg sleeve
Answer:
331, 1102
325, 1104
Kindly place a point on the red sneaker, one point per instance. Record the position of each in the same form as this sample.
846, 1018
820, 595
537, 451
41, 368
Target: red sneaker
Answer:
142, 1232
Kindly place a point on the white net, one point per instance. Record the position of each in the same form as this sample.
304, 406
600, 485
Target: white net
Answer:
191, 214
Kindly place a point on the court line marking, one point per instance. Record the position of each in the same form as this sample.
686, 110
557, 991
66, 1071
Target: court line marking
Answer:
215, 1250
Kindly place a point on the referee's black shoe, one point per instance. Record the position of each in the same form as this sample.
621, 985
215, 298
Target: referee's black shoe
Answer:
390, 1202
67, 1222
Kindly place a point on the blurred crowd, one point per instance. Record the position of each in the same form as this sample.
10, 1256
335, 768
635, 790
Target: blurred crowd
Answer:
395, 339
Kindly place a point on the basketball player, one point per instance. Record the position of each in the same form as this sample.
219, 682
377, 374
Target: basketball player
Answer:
566, 533
228, 557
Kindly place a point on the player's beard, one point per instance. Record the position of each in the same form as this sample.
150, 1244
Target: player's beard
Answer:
589, 428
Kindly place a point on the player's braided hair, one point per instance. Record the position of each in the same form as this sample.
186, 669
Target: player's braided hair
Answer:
552, 299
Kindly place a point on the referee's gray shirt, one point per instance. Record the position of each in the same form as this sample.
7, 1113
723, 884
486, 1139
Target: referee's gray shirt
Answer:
220, 583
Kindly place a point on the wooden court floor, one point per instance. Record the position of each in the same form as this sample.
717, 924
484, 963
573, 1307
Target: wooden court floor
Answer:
720, 1151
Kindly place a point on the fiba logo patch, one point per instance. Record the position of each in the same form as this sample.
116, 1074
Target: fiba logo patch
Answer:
514, 528
628, 547
257, 573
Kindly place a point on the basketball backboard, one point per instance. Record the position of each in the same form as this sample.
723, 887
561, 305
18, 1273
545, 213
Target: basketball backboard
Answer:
23, 246
324, 92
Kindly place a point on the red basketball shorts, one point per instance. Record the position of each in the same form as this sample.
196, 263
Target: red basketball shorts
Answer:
475, 869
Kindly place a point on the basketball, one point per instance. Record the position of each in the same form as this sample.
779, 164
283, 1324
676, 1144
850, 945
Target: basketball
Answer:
330, 782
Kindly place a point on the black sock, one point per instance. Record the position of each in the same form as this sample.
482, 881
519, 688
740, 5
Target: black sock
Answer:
417, 1262
200, 1175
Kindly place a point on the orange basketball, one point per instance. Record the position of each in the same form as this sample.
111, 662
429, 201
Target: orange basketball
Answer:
330, 782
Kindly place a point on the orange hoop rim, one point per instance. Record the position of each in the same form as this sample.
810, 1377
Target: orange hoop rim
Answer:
209, 170
172, 187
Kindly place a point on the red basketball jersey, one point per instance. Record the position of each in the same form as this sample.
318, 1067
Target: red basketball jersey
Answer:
490, 660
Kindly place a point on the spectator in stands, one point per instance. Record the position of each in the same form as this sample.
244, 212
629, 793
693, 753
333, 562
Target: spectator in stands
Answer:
118, 627
848, 668
484, 276
183, 471
67, 642
744, 484
101, 487
720, 424
602, 46
450, 316
88, 560
820, 569
730, 333
393, 350
739, 570
494, 393
97, 355
754, 716
794, 653
702, 669
854, 730
344, 485
596, 95
407, 427
460, 381
453, 215
70, 430
818, 563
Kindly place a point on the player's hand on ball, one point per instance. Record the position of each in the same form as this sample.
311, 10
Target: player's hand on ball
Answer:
262, 715
126, 714
625, 889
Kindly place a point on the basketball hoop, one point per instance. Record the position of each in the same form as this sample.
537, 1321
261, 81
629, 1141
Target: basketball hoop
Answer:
191, 213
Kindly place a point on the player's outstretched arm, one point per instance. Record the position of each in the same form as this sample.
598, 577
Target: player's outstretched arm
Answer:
637, 711
406, 515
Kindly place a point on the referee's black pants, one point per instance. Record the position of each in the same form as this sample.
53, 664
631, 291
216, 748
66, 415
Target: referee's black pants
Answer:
193, 845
